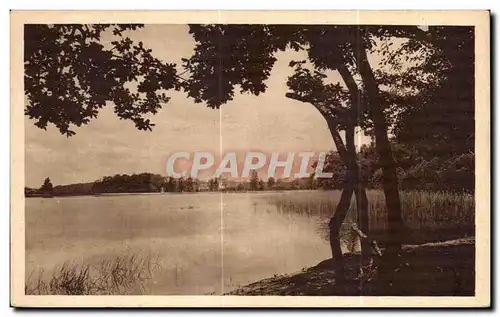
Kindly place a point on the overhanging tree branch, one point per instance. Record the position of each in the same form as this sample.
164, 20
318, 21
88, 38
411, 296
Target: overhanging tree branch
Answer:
332, 127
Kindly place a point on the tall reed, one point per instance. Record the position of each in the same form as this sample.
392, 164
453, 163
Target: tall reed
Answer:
435, 215
111, 276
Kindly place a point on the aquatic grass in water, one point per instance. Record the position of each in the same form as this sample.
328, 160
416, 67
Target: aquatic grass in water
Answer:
429, 216
120, 275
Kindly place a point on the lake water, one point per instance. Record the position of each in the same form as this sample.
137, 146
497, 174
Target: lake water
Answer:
206, 242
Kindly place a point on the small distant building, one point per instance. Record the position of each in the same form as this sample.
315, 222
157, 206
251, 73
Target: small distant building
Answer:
222, 184
203, 186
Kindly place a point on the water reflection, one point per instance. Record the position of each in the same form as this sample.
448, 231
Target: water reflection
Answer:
319, 211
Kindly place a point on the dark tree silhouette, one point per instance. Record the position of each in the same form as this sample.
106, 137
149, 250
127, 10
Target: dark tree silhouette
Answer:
271, 182
254, 180
189, 185
213, 184
262, 185
435, 114
171, 184
181, 184
336, 106
46, 187
70, 75
144, 182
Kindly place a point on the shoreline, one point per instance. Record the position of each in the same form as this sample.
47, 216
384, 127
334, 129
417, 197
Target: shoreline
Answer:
184, 193
431, 269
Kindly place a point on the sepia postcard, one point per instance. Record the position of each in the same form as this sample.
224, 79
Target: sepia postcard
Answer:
250, 159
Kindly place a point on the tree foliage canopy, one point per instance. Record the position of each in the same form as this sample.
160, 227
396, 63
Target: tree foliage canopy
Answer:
434, 99
70, 75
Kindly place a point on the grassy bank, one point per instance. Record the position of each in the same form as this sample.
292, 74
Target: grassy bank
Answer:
121, 275
434, 269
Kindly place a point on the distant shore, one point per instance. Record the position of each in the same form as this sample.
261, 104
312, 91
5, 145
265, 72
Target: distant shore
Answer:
170, 193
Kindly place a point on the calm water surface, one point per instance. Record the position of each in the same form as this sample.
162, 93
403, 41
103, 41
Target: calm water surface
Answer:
207, 242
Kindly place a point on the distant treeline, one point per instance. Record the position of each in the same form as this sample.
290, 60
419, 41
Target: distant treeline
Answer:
420, 169
417, 169
48, 190
150, 183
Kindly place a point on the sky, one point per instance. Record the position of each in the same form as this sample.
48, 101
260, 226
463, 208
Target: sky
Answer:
109, 146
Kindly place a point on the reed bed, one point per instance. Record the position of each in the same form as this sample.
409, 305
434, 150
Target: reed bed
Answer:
428, 216
120, 275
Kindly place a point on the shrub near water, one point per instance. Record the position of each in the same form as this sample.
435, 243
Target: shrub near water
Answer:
112, 276
429, 216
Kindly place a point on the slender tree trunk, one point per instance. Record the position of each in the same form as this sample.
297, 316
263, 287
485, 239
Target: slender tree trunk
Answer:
352, 176
357, 110
347, 155
335, 225
384, 151
362, 219
359, 190
345, 198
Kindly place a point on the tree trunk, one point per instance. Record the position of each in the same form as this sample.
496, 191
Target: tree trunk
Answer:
357, 110
338, 217
359, 190
352, 177
345, 199
384, 151
362, 219
335, 225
